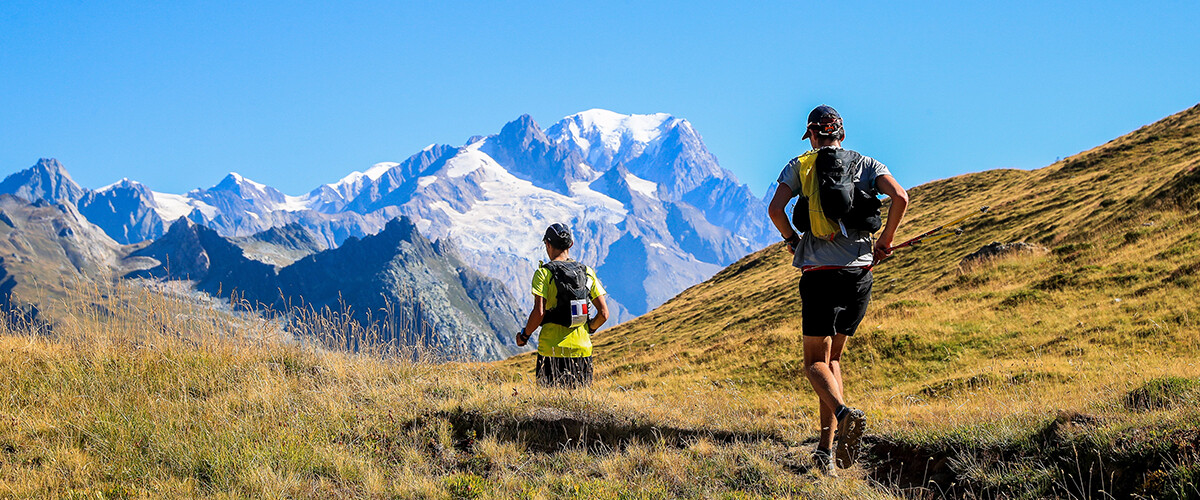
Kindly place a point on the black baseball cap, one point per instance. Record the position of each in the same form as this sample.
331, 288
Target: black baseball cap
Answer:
825, 120
559, 236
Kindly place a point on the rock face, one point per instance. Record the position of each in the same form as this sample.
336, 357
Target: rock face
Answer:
650, 206
396, 275
190, 251
124, 210
280, 246
44, 247
454, 308
46, 180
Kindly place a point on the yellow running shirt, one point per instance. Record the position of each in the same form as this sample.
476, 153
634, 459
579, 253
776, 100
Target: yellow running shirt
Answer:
558, 341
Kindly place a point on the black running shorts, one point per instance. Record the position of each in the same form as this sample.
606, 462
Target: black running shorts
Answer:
564, 372
834, 300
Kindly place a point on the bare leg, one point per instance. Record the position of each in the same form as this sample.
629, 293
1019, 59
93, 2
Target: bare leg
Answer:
828, 426
822, 363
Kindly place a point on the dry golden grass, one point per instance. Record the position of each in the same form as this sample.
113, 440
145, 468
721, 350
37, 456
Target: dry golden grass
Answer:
139, 394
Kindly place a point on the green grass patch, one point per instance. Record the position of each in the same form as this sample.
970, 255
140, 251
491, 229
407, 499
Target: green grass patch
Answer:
1023, 297
1175, 251
1072, 248
906, 305
1058, 281
1184, 276
1163, 392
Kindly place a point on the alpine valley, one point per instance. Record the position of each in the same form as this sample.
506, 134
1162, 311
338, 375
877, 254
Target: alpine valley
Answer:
453, 231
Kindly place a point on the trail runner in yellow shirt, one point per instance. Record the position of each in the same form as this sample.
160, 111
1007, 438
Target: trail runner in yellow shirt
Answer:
564, 292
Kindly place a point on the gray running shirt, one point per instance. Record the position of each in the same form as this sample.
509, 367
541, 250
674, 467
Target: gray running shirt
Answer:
854, 250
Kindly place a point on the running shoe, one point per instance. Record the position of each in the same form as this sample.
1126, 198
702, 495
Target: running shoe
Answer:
849, 432
823, 463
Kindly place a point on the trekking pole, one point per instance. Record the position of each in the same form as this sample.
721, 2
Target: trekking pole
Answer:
935, 233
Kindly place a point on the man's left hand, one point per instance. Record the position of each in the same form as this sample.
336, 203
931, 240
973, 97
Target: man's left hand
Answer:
522, 339
883, 248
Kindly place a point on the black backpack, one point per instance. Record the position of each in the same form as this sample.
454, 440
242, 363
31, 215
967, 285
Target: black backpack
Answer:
840, 198
570, 280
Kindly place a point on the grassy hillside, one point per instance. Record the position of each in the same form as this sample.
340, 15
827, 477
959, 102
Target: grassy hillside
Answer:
138, 394
1002, 355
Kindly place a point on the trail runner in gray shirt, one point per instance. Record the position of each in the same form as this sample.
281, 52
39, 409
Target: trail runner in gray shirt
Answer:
835, 287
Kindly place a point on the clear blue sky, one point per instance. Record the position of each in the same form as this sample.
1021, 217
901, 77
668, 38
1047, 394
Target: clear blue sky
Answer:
176, 94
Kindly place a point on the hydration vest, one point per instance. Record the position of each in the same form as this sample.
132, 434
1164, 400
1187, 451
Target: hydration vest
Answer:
829, 201
570, 281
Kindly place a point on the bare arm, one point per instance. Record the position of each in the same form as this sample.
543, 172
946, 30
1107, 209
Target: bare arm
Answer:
534, 321
776, 210
888, 185
601, 314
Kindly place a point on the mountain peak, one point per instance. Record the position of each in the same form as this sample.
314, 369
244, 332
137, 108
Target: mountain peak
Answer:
522, 131
234, 179
51, 165
47, 179
256, 192
181, 224
606, 138
640, 128
402, 224
124, 183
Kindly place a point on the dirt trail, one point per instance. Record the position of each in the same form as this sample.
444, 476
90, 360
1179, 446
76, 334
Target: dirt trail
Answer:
1057, 461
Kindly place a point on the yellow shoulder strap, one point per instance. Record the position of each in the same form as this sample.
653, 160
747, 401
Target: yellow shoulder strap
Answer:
820, 226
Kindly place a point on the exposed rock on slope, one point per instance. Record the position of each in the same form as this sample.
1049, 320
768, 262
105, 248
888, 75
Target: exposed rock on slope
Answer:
396, 275
458, 310
190, 251
44, 248
280, 246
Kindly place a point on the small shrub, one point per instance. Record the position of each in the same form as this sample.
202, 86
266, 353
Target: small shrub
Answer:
1175, 251
1182, 482
1184, 276
906, 305
1136, 234
1163, 392
1057, 282
1024, 297
466, 486
952, 387
1072, 248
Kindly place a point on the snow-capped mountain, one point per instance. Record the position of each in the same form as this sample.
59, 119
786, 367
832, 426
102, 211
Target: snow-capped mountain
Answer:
652, 209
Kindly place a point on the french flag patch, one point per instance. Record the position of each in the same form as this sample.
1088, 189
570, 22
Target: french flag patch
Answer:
579, 309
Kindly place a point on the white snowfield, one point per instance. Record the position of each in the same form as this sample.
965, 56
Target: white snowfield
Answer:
612, 129
171, 207
469, 160
607, 138
643, 186
510, 214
